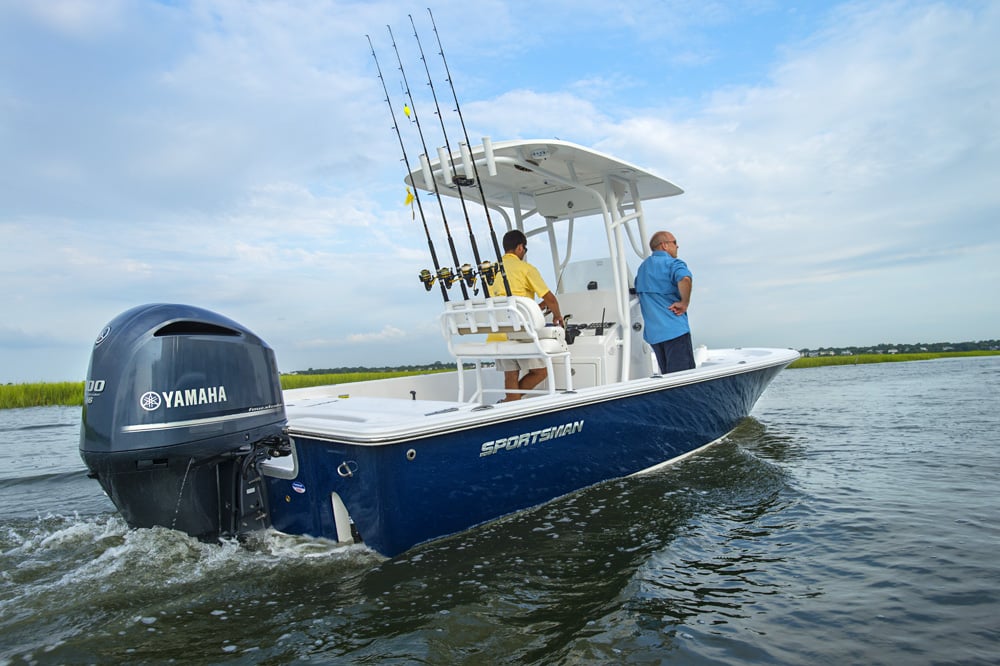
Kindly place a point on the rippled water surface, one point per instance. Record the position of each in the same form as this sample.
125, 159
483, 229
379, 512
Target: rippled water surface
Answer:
855, 518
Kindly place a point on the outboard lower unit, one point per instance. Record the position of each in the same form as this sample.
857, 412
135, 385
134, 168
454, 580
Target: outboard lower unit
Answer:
181, 406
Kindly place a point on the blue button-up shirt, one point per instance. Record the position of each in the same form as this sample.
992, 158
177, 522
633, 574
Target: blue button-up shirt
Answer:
656, 283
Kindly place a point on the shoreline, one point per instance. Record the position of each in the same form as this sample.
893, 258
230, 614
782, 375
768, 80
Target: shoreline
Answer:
860, 359
70, 394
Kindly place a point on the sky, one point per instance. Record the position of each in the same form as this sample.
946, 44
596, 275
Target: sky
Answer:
840, 161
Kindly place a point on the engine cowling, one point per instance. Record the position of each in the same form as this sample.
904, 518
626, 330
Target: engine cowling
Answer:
181, 406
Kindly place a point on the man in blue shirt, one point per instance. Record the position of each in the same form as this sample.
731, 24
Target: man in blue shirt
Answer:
664, 287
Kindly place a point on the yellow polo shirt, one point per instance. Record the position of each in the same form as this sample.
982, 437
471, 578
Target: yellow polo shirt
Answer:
524, 279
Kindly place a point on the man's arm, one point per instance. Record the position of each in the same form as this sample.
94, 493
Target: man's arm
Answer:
550, 302
681, 306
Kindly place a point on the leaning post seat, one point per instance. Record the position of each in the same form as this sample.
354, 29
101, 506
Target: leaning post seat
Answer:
517, 317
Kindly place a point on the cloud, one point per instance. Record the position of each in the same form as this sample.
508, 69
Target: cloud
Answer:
855, 132
387, 333
87, 19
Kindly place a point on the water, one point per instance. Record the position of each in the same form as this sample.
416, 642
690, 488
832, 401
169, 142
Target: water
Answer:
855, 519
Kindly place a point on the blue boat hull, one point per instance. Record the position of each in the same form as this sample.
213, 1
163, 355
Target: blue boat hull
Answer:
404, 493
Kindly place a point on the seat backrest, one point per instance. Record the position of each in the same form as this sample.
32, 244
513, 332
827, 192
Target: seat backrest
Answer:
533, 318
532, 313
507, 314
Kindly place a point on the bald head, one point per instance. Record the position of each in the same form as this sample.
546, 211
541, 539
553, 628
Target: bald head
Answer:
663, 240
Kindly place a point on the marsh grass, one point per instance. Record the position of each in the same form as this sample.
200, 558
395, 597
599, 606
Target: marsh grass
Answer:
44, 394
41, 394
858, 359
303, 381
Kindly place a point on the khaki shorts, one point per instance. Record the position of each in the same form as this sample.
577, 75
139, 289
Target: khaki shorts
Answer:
509, 364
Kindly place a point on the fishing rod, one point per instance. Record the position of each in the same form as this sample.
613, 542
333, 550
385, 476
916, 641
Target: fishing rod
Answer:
479, 182
425, 276
451, 242
486, 269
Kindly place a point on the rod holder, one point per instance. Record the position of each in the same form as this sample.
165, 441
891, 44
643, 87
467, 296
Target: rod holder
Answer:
445, 159
491, 163
467, 165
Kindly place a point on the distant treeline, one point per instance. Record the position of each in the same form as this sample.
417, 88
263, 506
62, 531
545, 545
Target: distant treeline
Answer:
908, 348
859, 359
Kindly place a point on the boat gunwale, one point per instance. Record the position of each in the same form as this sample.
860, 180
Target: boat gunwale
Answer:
469, 416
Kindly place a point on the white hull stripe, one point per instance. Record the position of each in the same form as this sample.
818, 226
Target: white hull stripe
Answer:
197, 422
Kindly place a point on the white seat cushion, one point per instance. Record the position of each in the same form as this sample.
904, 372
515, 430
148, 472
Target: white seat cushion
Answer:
508, 349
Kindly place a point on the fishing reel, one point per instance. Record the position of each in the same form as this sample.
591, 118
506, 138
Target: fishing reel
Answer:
468, 274
428, 279
446, 276
489, 271
449, 277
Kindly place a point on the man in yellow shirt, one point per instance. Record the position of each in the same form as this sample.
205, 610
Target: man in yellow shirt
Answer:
524, 280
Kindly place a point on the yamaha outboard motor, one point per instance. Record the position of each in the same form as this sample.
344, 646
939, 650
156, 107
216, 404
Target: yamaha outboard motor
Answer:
181, 406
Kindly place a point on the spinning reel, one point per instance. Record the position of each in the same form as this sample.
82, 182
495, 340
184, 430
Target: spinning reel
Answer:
488, 270
444, 274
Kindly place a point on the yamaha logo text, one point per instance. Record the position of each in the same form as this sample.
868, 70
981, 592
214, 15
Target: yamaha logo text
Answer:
151, 400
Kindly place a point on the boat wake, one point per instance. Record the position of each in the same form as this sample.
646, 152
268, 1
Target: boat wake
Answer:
107, 547
57, 561
56, 570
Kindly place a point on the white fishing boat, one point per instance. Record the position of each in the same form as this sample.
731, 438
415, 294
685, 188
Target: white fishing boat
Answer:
198, 435
185, 424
